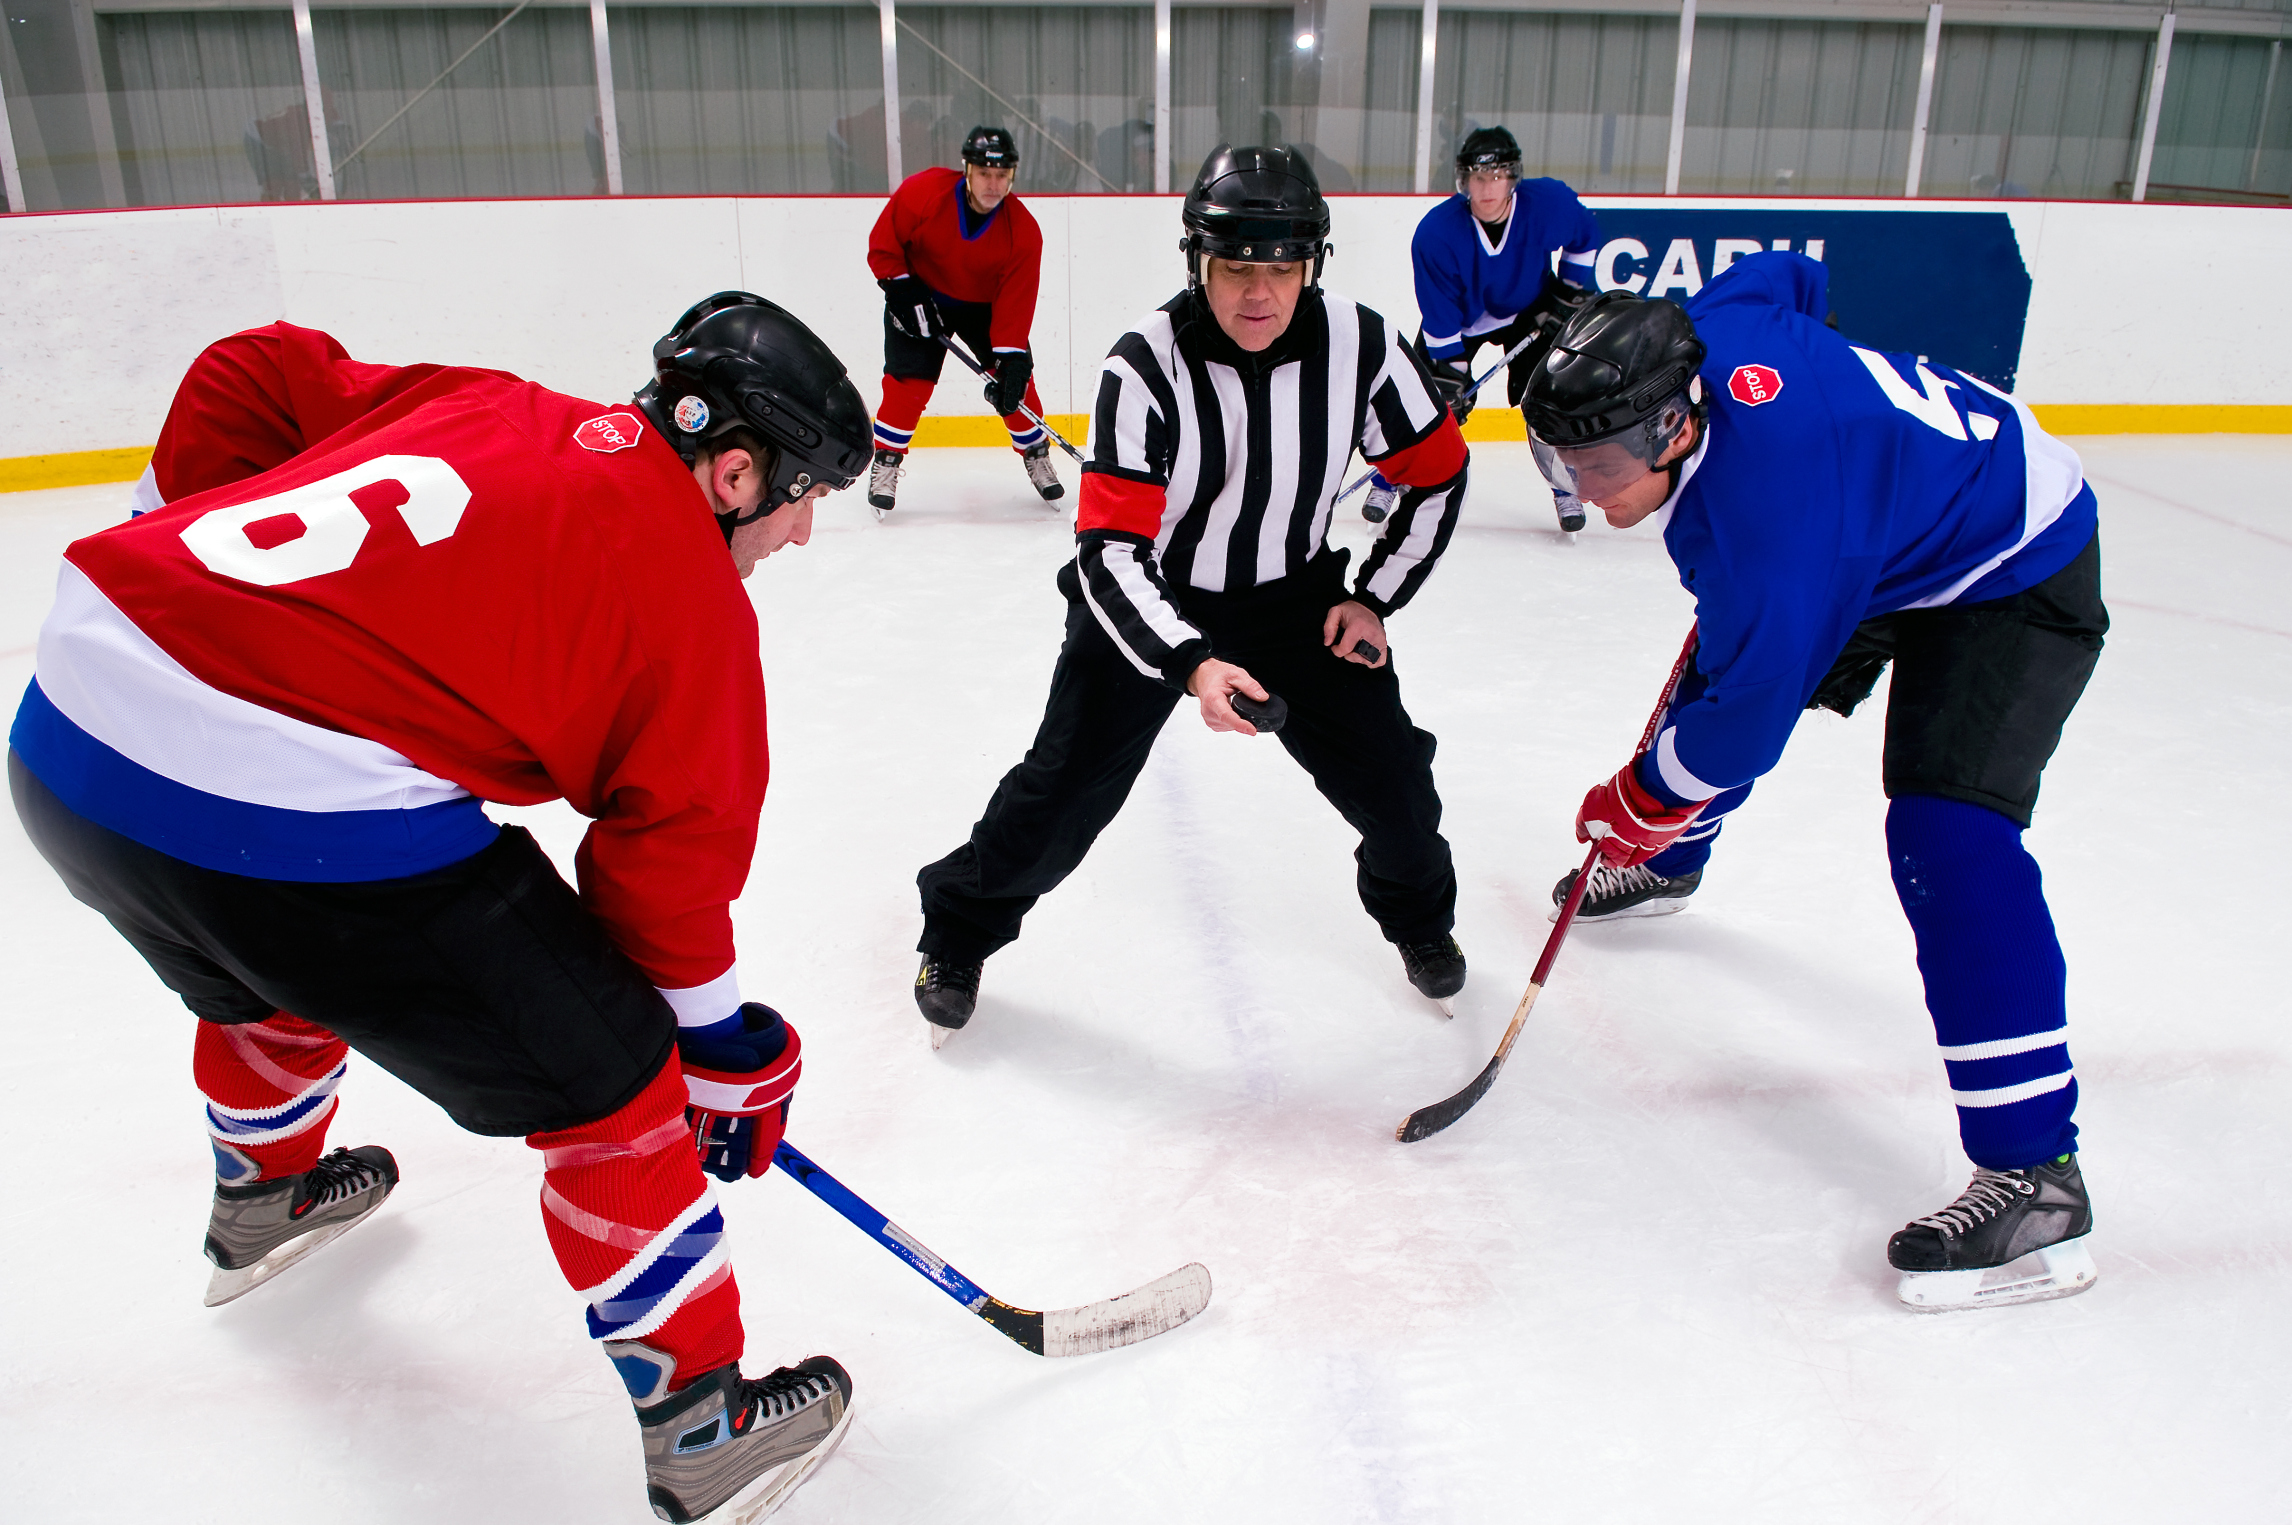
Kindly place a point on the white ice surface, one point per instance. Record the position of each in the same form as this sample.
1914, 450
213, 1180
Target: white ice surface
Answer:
1644, 1281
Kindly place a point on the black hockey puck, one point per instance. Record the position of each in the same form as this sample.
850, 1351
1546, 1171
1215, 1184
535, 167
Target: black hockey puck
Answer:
1367, 652
1267, 714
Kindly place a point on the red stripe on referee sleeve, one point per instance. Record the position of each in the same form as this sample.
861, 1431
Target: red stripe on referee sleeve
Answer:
1430, 461
1117, 503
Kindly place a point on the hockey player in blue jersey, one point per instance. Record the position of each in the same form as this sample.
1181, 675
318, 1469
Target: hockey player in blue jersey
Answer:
1485, 275
1832, 509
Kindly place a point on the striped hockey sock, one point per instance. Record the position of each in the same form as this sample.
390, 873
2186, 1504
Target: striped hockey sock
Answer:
638, 1233
270, 1094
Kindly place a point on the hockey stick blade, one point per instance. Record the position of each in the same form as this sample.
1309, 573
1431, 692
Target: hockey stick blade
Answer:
1139, 1314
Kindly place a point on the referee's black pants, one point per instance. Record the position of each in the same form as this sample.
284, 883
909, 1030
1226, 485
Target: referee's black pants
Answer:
1346, 728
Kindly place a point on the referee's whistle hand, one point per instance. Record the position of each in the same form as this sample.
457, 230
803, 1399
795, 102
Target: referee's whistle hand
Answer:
1212, 682
1350, 623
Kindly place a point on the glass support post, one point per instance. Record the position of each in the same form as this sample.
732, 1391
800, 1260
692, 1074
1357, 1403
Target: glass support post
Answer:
313, 100
12, 179
1679, 76
1425, 55
608, 125
2155, 109
1925, 100
891, 165
1162, 97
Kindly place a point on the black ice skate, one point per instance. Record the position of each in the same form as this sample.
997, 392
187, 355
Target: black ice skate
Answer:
2015, 1236
730, 1449
1618, 893
257, 1231
883, 482
1042, 473
946, 993
1570, 508
1437, 970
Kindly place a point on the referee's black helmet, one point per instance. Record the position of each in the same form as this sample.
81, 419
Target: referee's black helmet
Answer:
1262, 205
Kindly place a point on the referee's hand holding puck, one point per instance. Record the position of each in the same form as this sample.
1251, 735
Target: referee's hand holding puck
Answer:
1353, 632
1217, 684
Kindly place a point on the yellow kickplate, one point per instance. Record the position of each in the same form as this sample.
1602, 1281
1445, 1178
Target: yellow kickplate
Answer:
79, 468
2162, 418
976, 431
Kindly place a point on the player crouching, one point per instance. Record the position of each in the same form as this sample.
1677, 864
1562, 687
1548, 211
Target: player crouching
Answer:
1831, 509
264, 719
959, 259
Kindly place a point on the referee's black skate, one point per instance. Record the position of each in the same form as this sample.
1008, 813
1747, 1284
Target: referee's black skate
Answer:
2014, 1236
1619, 893
729, 1449
1436, 968
257, 1230
946, 993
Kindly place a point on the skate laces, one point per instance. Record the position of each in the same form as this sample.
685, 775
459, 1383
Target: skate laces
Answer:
1425, 953
1990, 1194
1608, 881
340, 1174
787, 1390
957, 977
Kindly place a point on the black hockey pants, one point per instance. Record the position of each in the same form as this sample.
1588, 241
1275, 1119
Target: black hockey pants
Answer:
1346, 728
485, 985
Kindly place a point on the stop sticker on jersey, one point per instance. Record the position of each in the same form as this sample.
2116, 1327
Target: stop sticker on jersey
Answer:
608, 432
1755, 384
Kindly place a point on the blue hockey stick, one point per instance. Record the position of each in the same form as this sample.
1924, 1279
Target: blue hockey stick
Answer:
1153, 1309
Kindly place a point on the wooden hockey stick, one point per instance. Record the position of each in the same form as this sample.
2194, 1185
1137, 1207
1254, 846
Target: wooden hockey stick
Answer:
1427, 1121
1125, 1319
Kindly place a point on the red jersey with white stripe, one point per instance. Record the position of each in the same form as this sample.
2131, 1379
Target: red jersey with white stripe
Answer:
401, 584
927, 230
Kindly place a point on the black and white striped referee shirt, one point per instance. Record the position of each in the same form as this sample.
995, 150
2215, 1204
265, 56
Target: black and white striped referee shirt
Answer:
1212, 468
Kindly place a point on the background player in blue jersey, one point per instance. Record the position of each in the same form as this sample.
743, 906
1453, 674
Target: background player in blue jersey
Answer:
1832, 509
1485, 275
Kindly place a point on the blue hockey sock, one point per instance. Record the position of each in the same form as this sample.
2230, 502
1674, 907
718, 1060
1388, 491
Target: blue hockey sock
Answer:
1994, 974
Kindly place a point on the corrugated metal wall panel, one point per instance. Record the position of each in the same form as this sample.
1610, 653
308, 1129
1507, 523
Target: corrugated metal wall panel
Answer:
2036, 111
1589, 97
1815, 108
2225, 119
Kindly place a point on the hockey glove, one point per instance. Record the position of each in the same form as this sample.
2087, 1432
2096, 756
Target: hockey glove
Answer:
1630, 824
1452, 384
738, 1090
912, 310
1007, 388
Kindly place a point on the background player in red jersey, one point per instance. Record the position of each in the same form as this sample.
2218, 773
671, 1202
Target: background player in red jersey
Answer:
958, 257
264, 718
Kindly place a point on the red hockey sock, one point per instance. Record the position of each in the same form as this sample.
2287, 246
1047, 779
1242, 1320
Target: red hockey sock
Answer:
904, 398
637, 1231
1025, 432
270, 1094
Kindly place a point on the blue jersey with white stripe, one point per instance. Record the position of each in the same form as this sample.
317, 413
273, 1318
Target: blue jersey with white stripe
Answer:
1469, 284
1835, 483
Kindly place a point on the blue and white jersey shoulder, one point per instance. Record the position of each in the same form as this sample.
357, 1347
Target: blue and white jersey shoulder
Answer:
1836, 483
1470, 284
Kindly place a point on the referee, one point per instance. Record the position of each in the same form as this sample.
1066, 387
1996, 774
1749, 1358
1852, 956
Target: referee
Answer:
1223, 427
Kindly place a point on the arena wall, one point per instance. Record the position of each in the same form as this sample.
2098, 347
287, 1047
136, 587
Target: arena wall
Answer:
2139, 318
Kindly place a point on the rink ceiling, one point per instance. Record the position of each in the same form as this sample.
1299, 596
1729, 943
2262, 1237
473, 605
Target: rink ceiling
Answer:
1645, 1280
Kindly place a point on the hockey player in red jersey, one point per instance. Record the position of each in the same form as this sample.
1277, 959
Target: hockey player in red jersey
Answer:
265, 716
959, 260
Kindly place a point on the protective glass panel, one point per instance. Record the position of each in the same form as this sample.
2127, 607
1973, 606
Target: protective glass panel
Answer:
2034, 111
207, 106
440, 103
748, 99
1075, 87
2225, 133
1800, 108
1237, 76
59, 119
1589, 97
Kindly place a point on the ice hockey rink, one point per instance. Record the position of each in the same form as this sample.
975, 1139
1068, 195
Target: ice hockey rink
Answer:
1643, 1281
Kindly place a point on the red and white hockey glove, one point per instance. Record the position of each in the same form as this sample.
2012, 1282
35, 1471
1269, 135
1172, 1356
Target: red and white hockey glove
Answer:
738, 1089
1630, 824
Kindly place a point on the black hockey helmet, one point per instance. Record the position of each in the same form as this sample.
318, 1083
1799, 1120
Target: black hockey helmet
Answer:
1621, 377
993, 147
1487, 148
737, 360
1263, 205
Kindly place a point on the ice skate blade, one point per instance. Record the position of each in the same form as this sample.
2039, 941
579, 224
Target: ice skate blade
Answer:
771, 1490
939, 1036
1447, 1005
2056, 1270
1671, 906
224, 1285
